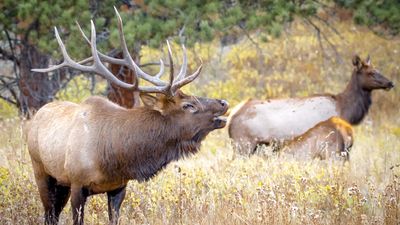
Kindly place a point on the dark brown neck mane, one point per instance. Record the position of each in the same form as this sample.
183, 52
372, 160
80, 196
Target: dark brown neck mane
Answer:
354, 102
139, 159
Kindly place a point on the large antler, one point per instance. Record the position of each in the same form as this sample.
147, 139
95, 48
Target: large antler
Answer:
99, 68
181, 78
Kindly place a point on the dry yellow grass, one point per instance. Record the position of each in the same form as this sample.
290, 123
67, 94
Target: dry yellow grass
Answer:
218, 186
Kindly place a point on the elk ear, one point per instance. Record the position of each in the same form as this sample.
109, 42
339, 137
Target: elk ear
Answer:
357, 62
148, 100
180, 94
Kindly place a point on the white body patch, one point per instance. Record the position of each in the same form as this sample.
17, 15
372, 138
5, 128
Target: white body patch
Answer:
287, 118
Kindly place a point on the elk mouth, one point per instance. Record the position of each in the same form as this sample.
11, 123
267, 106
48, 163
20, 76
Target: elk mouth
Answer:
219, 122
219, 119
389, 86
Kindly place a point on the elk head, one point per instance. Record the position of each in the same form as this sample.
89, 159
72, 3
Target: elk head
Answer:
204, 114
368, 77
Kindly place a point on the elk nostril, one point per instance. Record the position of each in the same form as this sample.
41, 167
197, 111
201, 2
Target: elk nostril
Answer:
391, 84
223, 103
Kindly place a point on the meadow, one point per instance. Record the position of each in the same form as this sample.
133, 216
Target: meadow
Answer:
218, 186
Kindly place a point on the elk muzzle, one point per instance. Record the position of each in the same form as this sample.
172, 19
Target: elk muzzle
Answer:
390, 85
219, 120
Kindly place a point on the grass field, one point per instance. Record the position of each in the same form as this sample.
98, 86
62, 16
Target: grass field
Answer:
218, 186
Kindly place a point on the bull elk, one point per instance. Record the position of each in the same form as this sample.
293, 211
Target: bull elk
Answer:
332, 138
96, 147
266, 122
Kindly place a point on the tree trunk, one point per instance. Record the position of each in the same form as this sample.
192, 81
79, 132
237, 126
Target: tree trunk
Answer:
36, 89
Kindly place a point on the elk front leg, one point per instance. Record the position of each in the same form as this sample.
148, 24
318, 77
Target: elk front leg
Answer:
61, 198
115, 199
78, 200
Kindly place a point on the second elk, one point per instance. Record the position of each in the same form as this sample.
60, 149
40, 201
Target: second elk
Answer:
329, 139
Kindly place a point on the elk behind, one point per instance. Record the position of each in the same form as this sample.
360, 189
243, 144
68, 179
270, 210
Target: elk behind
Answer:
269, 121
96, 147
332, 138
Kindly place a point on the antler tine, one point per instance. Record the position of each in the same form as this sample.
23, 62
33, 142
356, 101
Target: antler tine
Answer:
161, 70
182, 72
171, 65
101, 55
368, 60
125, 51
98, 66
181, 83
63, 51
128, 58
68, 62
83, 33
167, 88
180, 80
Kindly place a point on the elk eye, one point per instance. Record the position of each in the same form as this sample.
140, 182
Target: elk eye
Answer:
188, 106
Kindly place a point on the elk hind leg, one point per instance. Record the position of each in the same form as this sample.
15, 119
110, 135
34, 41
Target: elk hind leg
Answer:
48, 195
46, 185
244, 146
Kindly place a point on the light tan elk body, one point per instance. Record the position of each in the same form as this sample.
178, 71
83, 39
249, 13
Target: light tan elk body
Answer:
97, 146
332, 138
269, 121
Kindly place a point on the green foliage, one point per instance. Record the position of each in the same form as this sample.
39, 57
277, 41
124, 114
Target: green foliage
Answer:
156, 20
33, 21
78, 90
384, 13
149, 24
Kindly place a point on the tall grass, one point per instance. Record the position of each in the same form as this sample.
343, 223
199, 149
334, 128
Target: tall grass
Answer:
218, 186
